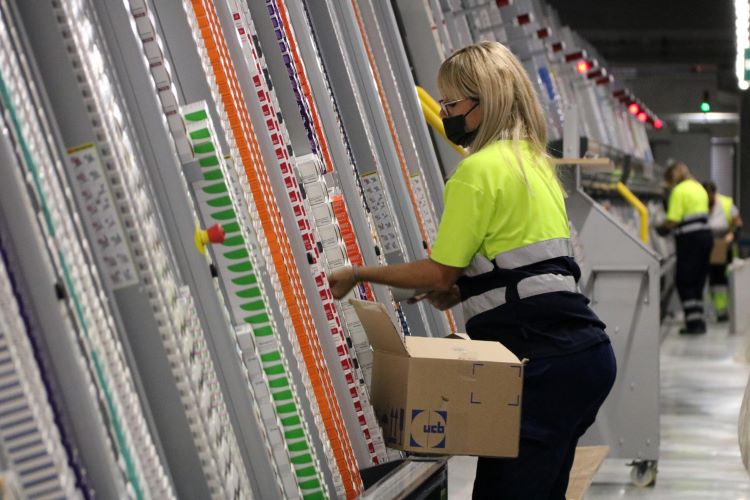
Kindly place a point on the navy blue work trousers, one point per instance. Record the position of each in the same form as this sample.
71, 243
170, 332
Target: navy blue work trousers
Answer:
693, 263
561, 397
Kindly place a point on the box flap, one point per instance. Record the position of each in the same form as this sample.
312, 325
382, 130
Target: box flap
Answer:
458, 336
377, 324
472, 350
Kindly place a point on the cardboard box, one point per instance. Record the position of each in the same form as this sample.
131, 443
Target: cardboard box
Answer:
443, 396
719, 251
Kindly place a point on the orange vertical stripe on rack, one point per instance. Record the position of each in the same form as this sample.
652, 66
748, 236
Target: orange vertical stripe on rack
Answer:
347, 234
342, 217
344, 451
278, 243
314, 356
391, 126
264, 189
396, 143
305, 85
356, 257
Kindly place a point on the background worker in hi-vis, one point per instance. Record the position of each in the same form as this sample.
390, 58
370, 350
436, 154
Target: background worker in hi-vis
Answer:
687, 217
503, 251
724, 220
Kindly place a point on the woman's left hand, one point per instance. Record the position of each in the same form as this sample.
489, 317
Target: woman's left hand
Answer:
445, 299
341, 282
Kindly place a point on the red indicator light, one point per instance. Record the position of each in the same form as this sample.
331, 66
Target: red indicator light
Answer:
502, 3
633, 109
542, 33
642, 117
523, 19
557, 47
583, 67
658, 124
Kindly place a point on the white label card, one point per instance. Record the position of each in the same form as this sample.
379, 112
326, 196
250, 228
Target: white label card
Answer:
381, 213
100, 216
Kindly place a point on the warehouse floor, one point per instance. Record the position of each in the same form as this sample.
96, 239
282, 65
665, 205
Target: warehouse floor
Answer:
702, 383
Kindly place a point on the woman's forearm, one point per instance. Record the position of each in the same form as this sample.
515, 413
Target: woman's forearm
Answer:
422, 274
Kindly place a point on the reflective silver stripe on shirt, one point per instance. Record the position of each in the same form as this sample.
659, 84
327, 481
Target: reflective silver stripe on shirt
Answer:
692, 227
535, 252
692, 223
545, 283
479, 265
527, 287
694, 316
483, 302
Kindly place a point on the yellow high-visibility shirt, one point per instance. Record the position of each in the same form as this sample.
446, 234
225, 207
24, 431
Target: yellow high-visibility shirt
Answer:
727, 204
689, 197
490, 208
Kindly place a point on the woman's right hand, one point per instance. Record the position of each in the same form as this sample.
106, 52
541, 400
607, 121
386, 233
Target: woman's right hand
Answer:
341, 282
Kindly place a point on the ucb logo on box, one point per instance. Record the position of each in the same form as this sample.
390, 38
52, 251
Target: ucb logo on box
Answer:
427, 429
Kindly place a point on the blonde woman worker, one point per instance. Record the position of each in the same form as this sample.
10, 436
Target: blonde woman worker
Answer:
503, 251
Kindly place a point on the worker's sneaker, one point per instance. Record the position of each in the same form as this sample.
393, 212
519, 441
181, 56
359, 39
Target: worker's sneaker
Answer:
722, 318
696, 330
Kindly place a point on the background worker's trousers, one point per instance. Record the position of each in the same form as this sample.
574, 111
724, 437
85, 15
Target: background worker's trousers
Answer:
718, 286
693, 255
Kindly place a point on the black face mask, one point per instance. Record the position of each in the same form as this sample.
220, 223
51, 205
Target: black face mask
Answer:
455, 129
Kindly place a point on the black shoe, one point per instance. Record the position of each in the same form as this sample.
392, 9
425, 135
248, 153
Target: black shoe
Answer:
696, 330
722, 318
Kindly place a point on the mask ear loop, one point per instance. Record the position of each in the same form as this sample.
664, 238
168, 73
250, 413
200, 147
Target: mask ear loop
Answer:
467, 114
472, 108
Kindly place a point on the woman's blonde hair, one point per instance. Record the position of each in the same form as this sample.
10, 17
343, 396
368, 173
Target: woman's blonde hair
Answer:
510, 107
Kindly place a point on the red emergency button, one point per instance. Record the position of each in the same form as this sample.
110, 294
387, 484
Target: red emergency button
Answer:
202, 237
